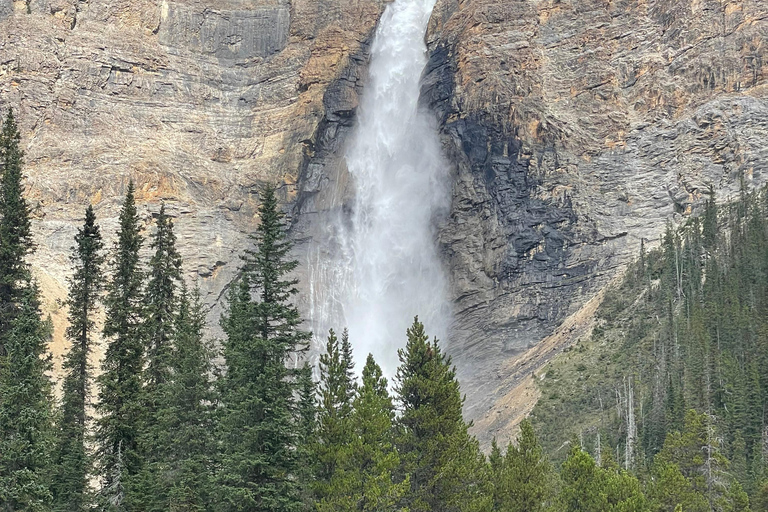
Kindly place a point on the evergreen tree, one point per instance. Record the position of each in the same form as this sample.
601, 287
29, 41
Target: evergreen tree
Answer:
497, 474
669, 489
365, 475
259, 428
25, 410
374, 449
121, 388
26, 431
161, 302
590, 488
736, 500
334, 432
444, 462
73, 462
526, 473
15, 227
307, 418
760, 498
158, 327
180, 442
696, 452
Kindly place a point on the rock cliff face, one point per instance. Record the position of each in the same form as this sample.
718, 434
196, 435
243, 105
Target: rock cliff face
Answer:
577, 129
199, 102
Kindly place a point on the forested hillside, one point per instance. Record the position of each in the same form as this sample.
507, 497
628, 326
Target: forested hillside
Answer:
674, 379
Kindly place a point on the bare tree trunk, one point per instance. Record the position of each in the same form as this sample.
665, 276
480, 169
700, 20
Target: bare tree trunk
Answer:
631, 427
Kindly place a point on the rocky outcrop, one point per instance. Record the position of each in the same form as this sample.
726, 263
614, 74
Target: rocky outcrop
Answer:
199, 102
578, 129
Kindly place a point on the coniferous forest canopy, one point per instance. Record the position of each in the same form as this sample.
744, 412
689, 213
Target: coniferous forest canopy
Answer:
662, 409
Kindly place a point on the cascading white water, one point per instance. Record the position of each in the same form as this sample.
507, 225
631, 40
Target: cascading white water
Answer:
386, 267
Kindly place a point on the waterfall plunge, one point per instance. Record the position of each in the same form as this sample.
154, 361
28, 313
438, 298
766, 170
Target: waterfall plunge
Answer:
385, 267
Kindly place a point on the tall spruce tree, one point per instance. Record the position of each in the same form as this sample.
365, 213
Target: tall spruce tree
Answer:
161, 303
334, 430
364, 472
375, 460
180, 442
72, 460
259, 425
25, 411
121, 399
444, 462
148, 489
307, 423
26, 433
15, 227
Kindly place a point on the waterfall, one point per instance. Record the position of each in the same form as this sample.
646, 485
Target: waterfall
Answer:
385, 267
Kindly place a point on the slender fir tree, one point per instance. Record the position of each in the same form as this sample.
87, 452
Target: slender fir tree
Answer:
15, 228
444, 462
337, 391
72, 460
375, 459
258, 425
121, 389
180, 442
25, 411
161, 303
525, 477
26, 430
307, 421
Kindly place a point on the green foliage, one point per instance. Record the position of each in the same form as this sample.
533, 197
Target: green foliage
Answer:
26, 430
15, 227
25, 411
307, 428
588, 487
163, 342
668, 490
121, 397
674, 381
161, 303
180, 442
688, 325
258, 423
72, 459
334, 431
364, 478
522, 479
443, 461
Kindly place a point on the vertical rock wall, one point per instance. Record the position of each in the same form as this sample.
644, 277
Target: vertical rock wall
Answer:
578, 128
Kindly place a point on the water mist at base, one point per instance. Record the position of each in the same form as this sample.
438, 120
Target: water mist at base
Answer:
384, 267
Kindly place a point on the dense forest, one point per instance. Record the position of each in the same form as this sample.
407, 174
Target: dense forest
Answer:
172, 421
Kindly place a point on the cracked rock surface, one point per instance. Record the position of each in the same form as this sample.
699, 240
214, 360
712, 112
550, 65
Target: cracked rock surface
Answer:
578, 128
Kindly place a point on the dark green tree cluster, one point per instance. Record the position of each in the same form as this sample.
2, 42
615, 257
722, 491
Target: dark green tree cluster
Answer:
152, 444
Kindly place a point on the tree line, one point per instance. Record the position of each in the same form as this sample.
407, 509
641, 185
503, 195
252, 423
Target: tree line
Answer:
173, 422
